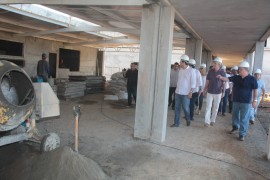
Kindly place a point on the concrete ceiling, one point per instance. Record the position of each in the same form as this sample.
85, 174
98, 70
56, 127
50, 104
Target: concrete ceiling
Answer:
229, 28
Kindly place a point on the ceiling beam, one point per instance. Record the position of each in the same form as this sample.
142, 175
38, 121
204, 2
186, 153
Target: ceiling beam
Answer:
116, 17
265, 35
110, 42
95, 29
79, 2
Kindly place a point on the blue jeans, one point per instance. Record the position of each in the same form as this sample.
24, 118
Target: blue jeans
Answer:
181, 101
240, 117
223, 102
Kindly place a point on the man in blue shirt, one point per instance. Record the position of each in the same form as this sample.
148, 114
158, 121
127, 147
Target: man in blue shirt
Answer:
243, 86
261, 88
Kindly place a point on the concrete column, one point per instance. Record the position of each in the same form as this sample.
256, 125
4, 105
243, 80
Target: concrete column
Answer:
250, 60
194, 50
268, 146
209, 60
198, 52
258, 59
154, 72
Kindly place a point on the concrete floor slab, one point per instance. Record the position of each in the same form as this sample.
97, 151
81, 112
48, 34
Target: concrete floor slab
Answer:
195, 152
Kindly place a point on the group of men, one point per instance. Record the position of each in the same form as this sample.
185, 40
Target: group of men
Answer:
190, 85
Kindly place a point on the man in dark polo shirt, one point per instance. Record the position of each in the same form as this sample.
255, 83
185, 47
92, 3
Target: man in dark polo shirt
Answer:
243, 86
132, 79
213, 87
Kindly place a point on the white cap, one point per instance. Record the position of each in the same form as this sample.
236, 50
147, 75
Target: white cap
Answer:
258, 71
185, 58
203, 65
235, 68
244, 64
192, 62
218, 59
223, 67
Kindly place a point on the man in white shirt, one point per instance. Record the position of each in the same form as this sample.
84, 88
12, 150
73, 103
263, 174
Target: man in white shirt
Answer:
173, 84
197, 90
185, 86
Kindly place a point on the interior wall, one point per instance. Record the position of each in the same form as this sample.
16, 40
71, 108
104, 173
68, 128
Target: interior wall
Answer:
34, 47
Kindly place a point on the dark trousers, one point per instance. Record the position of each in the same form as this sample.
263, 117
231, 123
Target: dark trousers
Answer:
192, 104
223, 103
200, 102
230, 103
131, 91
172, 93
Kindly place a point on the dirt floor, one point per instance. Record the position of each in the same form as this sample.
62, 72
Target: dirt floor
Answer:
195, 152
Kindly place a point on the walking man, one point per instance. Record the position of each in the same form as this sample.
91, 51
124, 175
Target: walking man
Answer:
43, 68
200, 99
185, 87
173, 84
213, 87
223, 103
132, 79
197, 90
261, 88
234, 71
244, 85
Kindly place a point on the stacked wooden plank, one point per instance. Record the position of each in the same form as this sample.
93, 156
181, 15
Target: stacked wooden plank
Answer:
68, 90
94, 84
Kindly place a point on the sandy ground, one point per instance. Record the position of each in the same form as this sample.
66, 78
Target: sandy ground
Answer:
195, 152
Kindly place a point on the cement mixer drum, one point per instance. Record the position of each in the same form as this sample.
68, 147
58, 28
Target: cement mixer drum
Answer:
17, 96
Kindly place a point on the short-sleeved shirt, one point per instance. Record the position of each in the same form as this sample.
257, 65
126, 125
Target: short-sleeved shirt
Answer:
215, 84
242, 88
261, 85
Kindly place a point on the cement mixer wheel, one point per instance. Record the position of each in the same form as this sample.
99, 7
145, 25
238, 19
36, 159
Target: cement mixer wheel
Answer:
50, 142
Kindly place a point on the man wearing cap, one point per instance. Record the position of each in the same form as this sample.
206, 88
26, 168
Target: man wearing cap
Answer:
213, 88
198, 88
223, 103
234, 71
200, 99
185, 87
43, 68
173, 84
261, 88
244, 85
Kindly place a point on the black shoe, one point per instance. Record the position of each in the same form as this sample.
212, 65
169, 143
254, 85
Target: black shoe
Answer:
192, 119
172, 108
188, 123
223, 114
174, 125
169, 104
233, 131
251, 122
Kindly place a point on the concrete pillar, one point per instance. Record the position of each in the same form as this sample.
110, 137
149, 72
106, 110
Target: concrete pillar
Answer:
268, 146
154, 72
209, 60
194, 50
250, 60
258, 59
198, 52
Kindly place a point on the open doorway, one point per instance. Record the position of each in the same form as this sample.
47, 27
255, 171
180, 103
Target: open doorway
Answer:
52, 63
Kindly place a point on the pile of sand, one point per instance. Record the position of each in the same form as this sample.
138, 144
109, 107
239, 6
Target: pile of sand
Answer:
60, 164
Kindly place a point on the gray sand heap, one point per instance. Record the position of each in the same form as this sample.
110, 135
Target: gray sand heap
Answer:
60, 164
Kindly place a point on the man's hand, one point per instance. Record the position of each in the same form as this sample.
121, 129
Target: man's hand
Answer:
223, 94
190, 95
218, 76
254, 104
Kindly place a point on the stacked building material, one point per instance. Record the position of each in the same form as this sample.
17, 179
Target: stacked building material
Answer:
118, 83
67, 90
94, 84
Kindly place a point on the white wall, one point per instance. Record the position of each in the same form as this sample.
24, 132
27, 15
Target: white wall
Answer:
34, 47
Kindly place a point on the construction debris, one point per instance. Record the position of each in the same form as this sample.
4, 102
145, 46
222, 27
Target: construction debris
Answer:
59, 164
67, 90
118, 84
